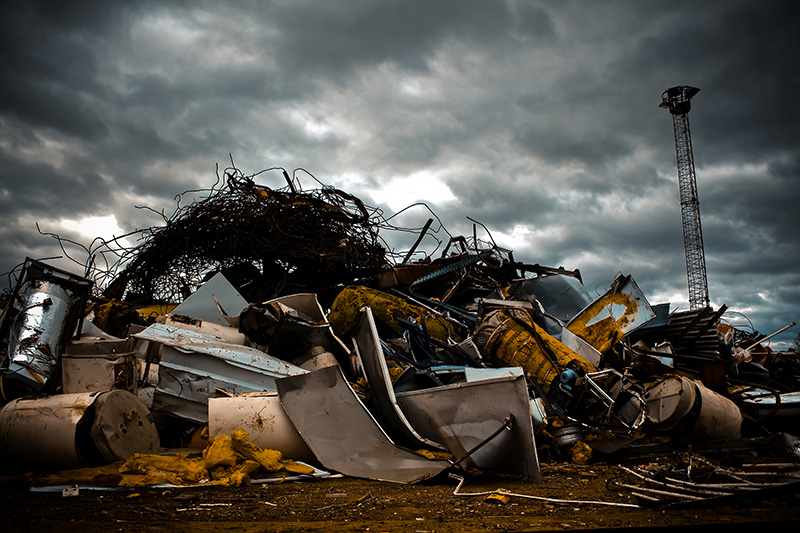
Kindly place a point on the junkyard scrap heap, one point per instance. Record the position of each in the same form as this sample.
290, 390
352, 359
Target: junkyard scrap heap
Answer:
272, 329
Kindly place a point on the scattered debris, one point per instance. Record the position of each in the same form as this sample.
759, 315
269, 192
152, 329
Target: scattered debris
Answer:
265, 331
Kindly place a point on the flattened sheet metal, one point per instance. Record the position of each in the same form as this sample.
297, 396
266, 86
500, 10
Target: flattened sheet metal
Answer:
193, 365
480, 374
370, 354
189, 341
463, 415
342, 433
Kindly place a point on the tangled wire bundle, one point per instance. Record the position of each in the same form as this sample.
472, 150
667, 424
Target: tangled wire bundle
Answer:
296, 240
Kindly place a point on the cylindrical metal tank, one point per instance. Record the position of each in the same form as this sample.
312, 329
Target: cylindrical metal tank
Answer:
344, 316
511, 336
677, 402
262, 416
36, 339
76, 430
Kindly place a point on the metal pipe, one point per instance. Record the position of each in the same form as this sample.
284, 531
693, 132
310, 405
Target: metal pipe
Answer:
419, 239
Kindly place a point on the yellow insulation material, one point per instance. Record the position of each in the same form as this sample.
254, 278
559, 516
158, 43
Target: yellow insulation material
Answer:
229, 461
503, 338
344, 315
141, 469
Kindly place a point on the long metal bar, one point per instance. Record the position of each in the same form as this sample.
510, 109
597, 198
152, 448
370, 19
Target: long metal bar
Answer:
419, 240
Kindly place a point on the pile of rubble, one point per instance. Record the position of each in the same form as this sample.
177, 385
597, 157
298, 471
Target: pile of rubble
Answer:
273, 325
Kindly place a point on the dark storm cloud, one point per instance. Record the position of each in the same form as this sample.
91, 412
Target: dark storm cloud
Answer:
739, 57
38, 187
337, 38
540, 118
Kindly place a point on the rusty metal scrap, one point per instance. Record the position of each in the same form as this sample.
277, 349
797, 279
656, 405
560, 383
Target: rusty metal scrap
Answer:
290, 239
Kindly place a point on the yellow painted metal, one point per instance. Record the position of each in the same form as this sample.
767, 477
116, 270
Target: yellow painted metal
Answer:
344, 314
503, 336
605, 321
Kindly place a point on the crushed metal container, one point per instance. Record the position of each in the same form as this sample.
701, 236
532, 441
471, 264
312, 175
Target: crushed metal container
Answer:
41, 319
291, 327
76, 430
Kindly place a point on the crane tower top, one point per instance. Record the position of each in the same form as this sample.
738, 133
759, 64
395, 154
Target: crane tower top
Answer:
678, 99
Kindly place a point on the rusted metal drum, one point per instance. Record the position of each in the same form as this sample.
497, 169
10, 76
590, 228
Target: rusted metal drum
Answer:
675, 401
719, 417
669, 400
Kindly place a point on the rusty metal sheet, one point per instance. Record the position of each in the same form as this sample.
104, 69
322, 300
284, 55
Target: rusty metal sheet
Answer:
342, 433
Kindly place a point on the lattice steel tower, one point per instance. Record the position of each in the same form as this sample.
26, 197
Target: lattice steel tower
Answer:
678, 101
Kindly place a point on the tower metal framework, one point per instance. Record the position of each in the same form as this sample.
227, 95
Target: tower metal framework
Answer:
678, 101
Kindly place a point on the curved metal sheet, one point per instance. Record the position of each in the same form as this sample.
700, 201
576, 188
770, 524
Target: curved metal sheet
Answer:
342, 433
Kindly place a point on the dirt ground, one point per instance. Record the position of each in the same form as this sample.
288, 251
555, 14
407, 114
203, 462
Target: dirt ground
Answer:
348, 504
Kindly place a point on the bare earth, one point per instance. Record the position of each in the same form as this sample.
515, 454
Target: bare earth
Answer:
348, 504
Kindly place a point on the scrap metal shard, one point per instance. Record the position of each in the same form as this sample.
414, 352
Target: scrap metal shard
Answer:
342, 433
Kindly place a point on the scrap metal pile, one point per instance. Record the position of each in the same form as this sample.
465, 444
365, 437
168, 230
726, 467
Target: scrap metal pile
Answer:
273, 321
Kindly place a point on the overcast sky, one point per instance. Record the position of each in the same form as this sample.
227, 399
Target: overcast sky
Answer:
538, 119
